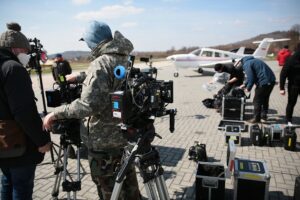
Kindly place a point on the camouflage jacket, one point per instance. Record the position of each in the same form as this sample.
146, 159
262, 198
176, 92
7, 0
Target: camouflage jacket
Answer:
98, 130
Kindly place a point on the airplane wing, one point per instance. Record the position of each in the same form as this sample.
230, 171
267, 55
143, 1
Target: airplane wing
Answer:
212, 64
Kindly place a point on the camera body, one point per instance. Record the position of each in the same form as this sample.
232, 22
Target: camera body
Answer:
37, 54
142, 96
140, 100
65, 93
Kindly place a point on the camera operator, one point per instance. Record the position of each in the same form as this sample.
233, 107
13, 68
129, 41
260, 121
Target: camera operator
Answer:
99, 131
60, 67
20, 123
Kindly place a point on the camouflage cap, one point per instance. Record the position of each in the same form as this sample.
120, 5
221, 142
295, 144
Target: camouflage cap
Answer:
13, 38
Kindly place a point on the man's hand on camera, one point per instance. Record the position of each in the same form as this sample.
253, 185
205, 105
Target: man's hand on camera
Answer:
48, 120
45, 148
71, 78
282, 92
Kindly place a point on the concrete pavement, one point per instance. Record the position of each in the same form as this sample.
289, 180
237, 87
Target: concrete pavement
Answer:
194, 122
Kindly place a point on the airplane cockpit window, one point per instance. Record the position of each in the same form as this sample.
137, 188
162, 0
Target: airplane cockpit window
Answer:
207, 54
218, 55
196, 52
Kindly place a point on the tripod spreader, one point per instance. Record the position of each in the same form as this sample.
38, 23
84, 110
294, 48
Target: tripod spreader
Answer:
129, 160
150, 159
69, 186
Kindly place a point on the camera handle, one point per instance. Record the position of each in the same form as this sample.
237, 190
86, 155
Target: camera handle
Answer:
172, 113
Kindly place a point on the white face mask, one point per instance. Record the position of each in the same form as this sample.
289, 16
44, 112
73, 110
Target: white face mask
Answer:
23, 58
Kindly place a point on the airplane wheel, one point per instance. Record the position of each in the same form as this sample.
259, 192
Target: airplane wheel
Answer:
200, 70
176, 74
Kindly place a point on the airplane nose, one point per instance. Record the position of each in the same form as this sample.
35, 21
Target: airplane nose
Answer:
171, 58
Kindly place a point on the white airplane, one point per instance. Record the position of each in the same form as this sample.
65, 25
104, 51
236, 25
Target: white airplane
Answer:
208, 57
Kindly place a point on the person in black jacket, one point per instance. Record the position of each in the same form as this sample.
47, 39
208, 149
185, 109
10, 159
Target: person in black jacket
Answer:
236, 76
60, 67
291, 70
17, 104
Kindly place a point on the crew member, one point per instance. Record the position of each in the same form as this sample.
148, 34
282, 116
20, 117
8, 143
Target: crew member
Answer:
60, 67
291, 70
282, 55
236, 76
20, 122
260, 74
99, 131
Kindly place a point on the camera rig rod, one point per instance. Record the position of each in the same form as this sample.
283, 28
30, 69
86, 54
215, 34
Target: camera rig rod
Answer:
36, 50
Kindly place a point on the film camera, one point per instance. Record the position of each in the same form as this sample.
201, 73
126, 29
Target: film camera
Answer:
142, 97
37, 54
63, 93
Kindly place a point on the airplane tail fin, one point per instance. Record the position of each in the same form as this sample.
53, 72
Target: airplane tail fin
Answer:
264, 45
241, 50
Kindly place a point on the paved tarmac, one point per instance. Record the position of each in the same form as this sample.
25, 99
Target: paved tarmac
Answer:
194, 122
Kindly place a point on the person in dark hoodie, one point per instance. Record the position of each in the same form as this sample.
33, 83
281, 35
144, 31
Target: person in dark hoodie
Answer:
260, 74
291, 71
99, 131
18, 115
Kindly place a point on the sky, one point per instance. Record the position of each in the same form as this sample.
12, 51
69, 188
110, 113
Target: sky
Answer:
151, 25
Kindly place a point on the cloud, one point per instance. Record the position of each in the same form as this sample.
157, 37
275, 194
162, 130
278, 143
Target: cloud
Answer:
81, 2
127, 2
172, 1
238, 22
280, 20
109, 12
129, 24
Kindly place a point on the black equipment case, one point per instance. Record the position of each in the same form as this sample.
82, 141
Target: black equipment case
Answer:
233, 108
224, 123
276, 132
290, 139
210, 181
256, 135
233, 132
297, 189
251, 180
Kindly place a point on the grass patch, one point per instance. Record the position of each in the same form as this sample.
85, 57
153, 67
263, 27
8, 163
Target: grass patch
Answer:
74, 65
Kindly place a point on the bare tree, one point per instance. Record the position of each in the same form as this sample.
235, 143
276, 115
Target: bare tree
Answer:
294, 35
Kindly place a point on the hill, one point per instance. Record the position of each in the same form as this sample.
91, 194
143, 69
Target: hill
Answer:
249, 42
83, 56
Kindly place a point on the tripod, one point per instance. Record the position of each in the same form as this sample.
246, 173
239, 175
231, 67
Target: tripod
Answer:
62, 172
146, 158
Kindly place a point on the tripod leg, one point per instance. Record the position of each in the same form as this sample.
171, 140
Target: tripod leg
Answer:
58, 172
65, 163
116, 191
162, 188
150, 190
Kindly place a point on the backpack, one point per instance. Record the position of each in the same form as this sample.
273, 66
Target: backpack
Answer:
208, 103
12, 138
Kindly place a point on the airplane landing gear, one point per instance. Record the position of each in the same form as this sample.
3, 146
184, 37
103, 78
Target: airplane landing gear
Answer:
200, 70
